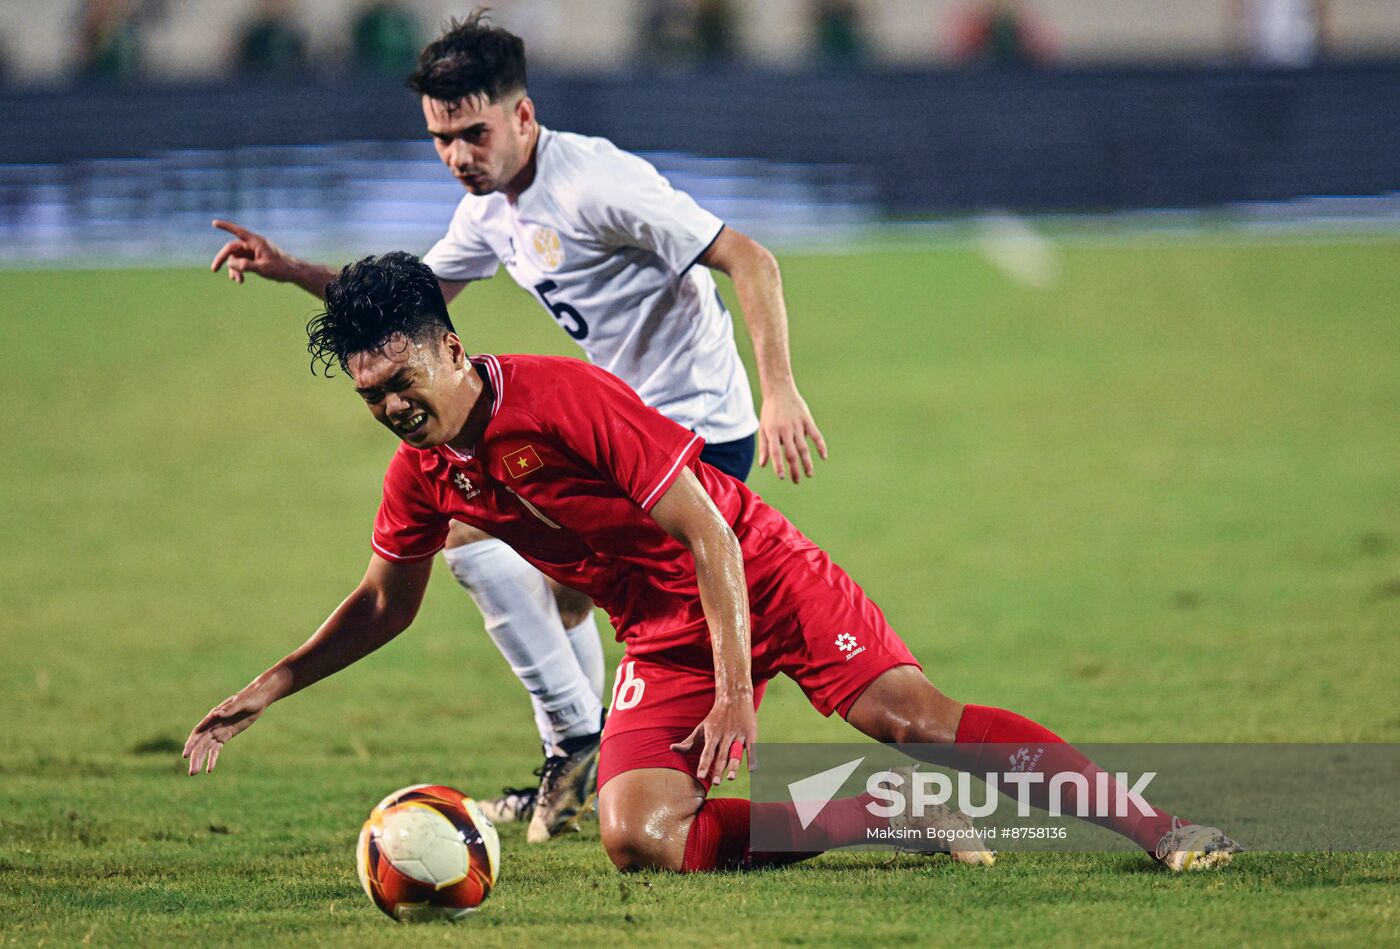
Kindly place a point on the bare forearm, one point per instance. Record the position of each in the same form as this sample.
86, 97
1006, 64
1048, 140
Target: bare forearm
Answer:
310, 277
759, 285
719, 572
686, 512
358, 627
785, 424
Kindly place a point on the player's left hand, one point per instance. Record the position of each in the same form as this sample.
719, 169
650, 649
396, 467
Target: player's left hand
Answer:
224, 720
784, 426
730, 728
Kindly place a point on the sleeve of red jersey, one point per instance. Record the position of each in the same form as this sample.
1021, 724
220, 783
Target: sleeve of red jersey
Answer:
407, 528
599, 418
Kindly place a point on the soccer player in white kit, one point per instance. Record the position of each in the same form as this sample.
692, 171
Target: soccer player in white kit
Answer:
621, 261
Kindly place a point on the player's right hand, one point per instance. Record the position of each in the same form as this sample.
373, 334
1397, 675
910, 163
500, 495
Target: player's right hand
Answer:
727, 733
224, 720
250, 252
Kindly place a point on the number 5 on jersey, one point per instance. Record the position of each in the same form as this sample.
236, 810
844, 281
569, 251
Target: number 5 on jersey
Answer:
627, 687
566, 316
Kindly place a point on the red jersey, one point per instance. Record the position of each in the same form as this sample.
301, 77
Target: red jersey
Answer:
566, 471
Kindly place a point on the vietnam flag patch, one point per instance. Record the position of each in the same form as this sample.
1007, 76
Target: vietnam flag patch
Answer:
522, 461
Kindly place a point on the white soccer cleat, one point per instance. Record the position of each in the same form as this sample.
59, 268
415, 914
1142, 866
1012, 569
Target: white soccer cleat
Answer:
965, 842
1193, 847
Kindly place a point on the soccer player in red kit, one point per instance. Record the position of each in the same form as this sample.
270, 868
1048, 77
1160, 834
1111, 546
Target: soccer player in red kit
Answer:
712, 591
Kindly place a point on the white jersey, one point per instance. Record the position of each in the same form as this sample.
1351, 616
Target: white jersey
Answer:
609, 248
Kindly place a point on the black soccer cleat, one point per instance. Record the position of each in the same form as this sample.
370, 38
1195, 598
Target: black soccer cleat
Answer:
514, 804
568, 785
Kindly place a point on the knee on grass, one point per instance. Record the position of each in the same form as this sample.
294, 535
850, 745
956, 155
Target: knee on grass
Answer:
634, 846
645, 816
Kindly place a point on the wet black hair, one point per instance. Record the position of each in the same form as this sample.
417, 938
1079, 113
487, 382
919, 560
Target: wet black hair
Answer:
471, 59
372, 300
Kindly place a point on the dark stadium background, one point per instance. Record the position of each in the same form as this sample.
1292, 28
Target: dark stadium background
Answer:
888, 112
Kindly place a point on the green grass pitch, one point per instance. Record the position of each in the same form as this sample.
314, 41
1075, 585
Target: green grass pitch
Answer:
1158, 500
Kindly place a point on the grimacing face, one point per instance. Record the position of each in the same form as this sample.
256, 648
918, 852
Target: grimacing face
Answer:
484, 144
418, 390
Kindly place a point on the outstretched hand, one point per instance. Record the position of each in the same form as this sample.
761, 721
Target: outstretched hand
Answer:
784, 426
228, 718
730, 728
250, 252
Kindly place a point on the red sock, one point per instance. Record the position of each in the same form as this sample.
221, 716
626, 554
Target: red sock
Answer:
983, 725
719, 833
719, 836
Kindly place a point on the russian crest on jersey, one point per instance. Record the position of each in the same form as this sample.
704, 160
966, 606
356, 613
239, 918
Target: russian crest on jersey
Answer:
427, 852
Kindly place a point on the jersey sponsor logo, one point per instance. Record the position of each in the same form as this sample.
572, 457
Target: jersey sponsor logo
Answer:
548, 249
848, 645
1022, 759
464, 484
522, 461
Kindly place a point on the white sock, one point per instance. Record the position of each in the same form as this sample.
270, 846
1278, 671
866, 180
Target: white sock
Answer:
588, 649
522, 619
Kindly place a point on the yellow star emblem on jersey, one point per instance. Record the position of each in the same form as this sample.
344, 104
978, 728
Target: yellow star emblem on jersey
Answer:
522, 461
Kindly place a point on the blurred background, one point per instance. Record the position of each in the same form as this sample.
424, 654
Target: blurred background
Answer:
1095, 302
125, 125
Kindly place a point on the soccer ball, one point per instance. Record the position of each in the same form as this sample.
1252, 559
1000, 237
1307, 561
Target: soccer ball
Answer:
427, 852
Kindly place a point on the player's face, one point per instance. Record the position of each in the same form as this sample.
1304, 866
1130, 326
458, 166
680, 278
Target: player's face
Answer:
420, 391
484, 144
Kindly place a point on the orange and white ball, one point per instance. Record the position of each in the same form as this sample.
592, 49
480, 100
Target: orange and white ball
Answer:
427, 852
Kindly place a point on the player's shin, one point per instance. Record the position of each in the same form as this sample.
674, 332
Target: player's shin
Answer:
982, 727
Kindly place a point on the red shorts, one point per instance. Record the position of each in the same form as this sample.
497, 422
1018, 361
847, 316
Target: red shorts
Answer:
811, 622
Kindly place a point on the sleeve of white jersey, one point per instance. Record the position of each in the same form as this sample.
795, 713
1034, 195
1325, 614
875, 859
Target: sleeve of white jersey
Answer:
632, 205
462, 253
